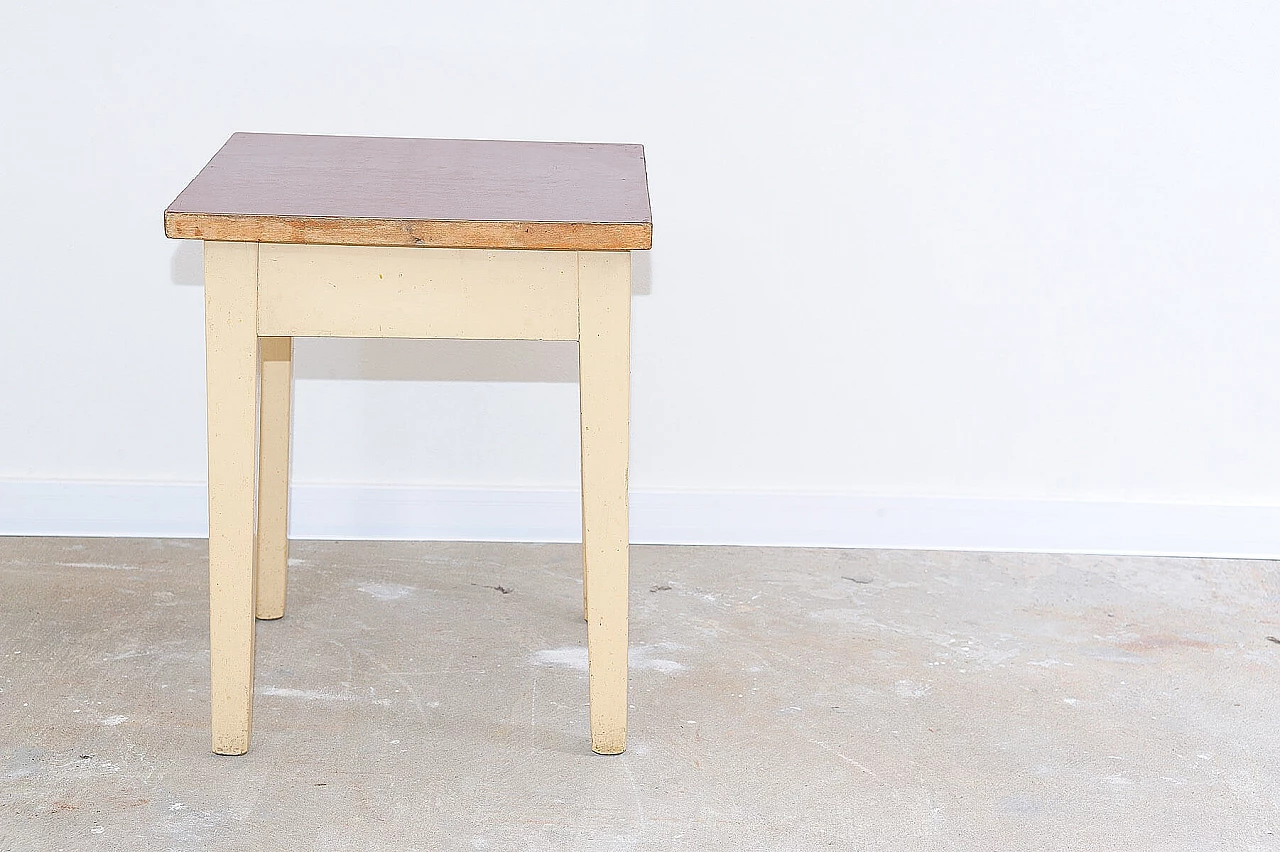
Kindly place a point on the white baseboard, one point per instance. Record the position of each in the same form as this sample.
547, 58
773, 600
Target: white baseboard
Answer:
336, 511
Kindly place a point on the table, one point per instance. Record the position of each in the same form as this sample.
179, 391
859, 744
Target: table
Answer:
337, 236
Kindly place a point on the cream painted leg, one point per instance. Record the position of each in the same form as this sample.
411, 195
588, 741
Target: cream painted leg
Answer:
231, 365
273, 474
604, 319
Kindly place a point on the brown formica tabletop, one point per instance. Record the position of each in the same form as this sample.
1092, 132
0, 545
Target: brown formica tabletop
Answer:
446, 193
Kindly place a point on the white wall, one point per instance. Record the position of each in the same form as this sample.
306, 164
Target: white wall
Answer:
973, 267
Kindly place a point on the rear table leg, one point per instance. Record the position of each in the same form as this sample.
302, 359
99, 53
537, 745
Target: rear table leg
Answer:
273, 475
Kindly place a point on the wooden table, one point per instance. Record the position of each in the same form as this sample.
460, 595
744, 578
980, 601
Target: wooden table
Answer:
333, 236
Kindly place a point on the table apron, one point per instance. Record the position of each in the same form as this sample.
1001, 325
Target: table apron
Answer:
384, 291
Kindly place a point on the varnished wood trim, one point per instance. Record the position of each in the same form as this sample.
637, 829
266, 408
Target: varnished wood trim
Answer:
572, 236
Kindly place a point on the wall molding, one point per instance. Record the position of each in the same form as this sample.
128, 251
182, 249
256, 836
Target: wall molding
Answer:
777, 518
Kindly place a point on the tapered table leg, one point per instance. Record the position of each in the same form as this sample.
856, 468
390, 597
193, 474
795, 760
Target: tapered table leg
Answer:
232, 368
604, 320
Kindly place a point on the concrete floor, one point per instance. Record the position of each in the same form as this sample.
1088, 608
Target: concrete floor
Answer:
783, 699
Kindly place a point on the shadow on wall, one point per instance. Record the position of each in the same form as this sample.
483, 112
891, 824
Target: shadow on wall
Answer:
425, 360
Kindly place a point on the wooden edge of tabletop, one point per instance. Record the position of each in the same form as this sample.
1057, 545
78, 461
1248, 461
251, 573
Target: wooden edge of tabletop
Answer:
573, 236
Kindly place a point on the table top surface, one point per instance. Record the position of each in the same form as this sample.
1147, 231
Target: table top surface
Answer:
451, 193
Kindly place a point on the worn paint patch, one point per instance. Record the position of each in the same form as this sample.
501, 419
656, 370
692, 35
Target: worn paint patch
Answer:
25, 762
911, 689
640, 657
658, 665
112, 721
572, 657
1022, 805
113, 566
315, 695
386, 591
1112, 655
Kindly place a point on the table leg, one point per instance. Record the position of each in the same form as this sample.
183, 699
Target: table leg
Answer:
273, 474
604, 326
232, 367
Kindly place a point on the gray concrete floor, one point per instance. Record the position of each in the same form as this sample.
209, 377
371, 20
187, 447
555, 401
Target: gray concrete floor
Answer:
782, 699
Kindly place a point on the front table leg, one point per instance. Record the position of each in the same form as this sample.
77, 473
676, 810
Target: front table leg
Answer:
232, 369
604, 334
